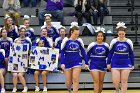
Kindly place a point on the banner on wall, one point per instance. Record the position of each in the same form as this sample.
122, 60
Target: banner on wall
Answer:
18, 60
43, 58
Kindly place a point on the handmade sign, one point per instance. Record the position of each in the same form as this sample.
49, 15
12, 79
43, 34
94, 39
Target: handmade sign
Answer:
18, 60
43, 58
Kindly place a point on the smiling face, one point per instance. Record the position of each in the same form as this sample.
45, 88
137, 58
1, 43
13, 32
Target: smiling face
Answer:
62, 32
100, 37
9, 21
44, 32
41, 43
22, 32
48, 19
27, 23
4, 33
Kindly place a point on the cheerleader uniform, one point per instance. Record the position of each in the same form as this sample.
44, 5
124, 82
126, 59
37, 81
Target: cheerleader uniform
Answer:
58, 42
5, 44
52, 33
30, 34
70, 53
13, 33
47, 41
121, 54
98, 54
2, 56
27, 40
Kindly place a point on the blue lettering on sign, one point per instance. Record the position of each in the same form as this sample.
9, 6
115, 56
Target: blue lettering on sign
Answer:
41, 58
49, 63
18, 60
35, 52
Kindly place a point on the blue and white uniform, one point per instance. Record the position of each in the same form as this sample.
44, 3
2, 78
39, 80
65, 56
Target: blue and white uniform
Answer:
24, 41
58, 42
2, 57
52, 33
30, 33
5, 44
70, 53
121, 54
97, 54
13, 33
47, 41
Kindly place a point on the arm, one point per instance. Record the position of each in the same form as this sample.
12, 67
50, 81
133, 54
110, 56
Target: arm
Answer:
131, 53
63, 50
60, 4
111, 51
83, 53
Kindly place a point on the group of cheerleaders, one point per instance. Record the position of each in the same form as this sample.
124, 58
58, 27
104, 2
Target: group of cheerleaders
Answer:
118, 56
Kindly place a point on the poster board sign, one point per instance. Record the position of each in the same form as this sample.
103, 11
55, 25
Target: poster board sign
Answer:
43, 58
18, 60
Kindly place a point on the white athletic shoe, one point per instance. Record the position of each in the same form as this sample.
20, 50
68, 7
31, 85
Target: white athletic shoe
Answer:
2, 90
45, 89
37, 88
119, 91
25, 89
14, 90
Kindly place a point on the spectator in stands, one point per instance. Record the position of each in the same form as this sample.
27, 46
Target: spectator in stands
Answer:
5, 43
99, 9
52, 31
121, 59
30, 30
26, 3
54, 7
62, 34
12, 30
43, 41
11, 8
82, 9
2, 69
20, 75
97, 54
71, 61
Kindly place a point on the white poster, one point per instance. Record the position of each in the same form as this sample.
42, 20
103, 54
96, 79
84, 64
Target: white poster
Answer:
43, 58
18, 60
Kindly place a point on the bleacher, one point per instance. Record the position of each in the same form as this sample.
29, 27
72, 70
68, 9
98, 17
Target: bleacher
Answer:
118, 12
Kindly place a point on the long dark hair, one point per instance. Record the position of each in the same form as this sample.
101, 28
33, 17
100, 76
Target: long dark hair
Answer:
104, 35
72, 30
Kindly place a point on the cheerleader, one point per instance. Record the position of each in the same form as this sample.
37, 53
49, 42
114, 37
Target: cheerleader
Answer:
52, 31
30, 31
71, 61
20, 75
98, 52
121, 58
58, 40
44, 36
44, 41
12, 30
2, 69
5, 43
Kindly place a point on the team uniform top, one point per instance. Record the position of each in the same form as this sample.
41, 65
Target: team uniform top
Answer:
52, 33
58, 42
27, 40
5, 44
30, 33
13, 33
47, 41
121, 54
98, 54
70, 52
2, 56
